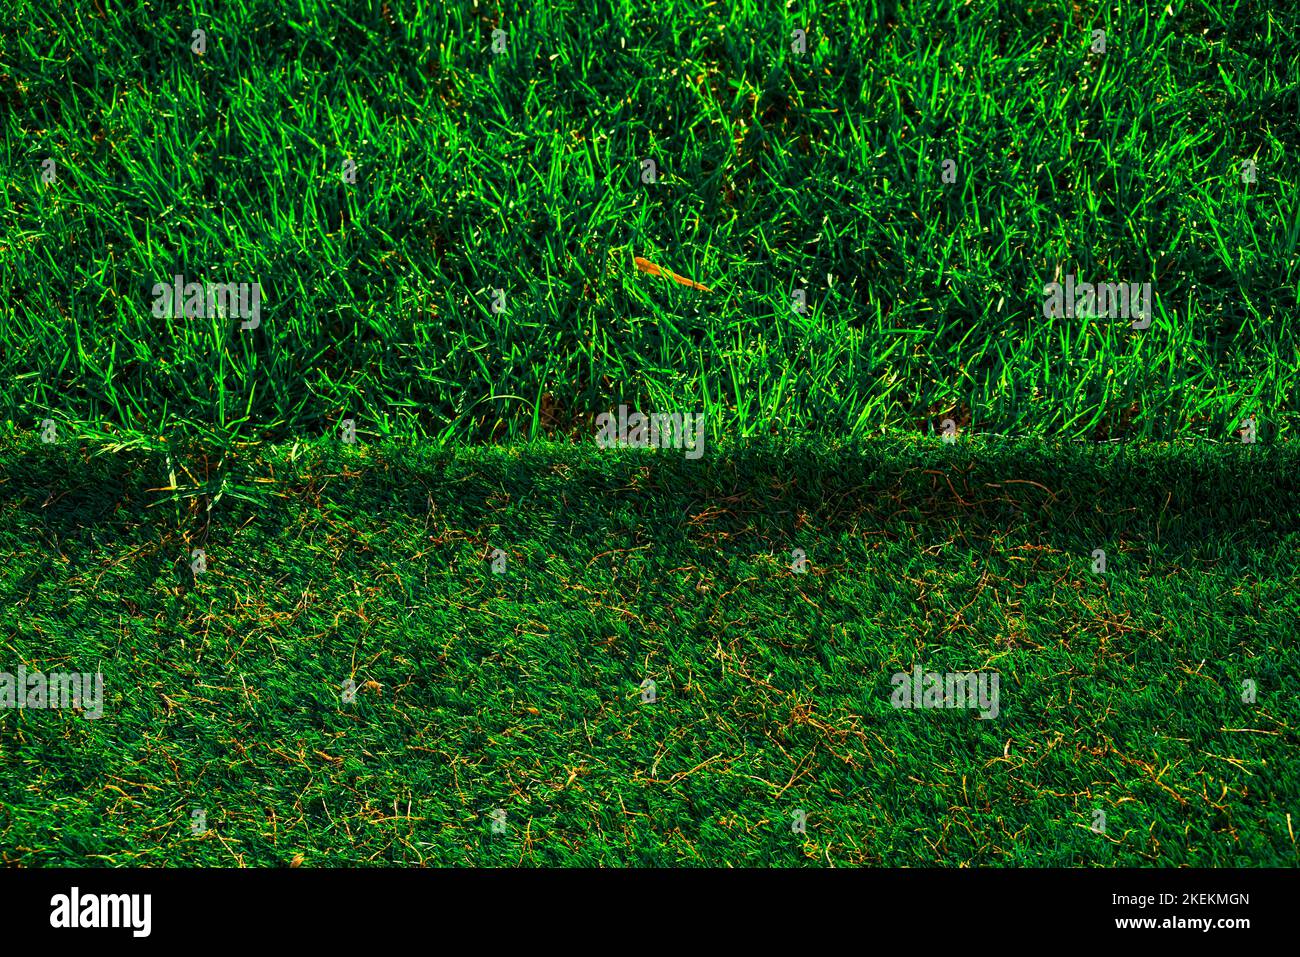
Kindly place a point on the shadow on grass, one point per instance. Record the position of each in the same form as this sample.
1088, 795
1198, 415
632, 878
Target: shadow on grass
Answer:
1217, 503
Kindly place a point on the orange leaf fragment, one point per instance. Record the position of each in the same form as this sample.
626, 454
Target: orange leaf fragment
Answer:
646, 265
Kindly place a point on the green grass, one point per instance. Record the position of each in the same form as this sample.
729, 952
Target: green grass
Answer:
1119, 692
777, 171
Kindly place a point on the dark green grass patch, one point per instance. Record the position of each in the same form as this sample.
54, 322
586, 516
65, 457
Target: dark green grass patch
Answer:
523, 692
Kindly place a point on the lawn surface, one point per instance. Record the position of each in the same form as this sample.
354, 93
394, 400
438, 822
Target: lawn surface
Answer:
827, 228
775, 171
523, 692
